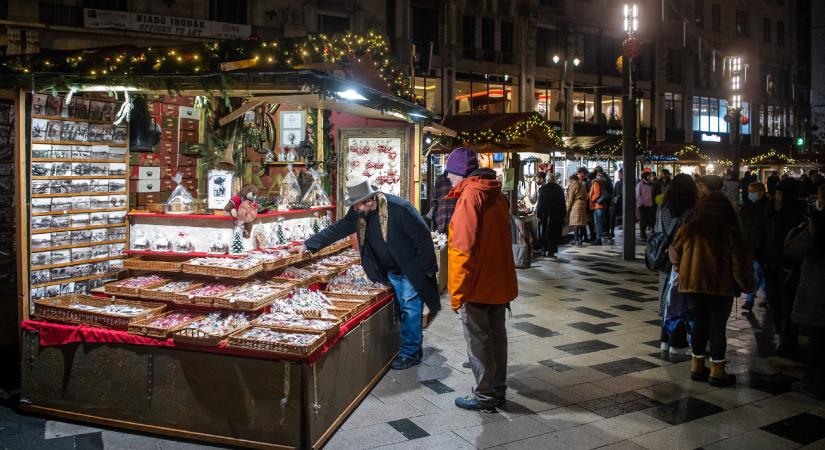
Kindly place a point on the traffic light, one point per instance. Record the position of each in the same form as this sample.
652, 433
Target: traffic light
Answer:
800, 141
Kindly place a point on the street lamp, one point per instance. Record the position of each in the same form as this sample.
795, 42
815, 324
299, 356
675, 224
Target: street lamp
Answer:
568, 91
631, 49
737, 71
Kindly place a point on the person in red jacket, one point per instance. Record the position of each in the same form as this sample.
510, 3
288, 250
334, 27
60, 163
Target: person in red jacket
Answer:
482, 282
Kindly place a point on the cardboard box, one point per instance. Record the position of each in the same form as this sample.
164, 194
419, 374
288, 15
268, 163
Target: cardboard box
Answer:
441, 260
148, 198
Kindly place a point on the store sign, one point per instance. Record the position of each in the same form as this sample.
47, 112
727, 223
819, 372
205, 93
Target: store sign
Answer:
163, 24
614, 131
711, 137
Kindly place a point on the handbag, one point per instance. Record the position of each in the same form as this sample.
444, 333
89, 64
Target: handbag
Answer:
656, 257
521, 247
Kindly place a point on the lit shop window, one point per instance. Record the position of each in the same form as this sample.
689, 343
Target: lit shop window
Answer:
709, 115
428, 92
484, 93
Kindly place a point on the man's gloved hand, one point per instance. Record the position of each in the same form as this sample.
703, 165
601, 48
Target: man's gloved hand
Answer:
433, 281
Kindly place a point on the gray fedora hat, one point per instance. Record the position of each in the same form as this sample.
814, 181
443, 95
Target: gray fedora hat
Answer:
358, 191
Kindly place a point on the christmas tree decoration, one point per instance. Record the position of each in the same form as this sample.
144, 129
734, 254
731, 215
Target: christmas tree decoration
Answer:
280, 238
237, 243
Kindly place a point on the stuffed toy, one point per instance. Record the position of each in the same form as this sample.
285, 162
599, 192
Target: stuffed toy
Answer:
243, 208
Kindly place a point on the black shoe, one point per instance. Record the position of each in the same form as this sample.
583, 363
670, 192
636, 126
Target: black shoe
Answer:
402, 363
500, 402
597, 242
747, 306
466, 365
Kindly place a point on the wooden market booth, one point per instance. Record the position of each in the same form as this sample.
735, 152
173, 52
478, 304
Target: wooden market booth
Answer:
66, 133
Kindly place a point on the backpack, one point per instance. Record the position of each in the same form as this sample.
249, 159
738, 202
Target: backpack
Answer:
656, 257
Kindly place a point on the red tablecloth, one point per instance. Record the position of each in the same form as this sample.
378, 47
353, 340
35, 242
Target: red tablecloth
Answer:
52, 334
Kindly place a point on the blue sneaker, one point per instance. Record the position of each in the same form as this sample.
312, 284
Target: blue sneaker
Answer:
470, 403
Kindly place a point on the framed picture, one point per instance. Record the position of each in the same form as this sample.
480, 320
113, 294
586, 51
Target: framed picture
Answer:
81, 108
54, 105
53, 129
292, 128
108, 112
380, 155
39, 103
220, 188
96, 110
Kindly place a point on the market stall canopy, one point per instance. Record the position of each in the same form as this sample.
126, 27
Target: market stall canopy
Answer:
592, 144
504, 132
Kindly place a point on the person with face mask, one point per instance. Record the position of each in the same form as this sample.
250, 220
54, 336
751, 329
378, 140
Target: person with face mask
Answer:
396, 247
754, 214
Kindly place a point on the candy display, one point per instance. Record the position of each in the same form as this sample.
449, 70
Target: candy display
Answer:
251, 295
175, 286
355, 281
269, 335
173, 319
114, 309
220, 324
141, 281
288, 320
295, 273
337, 260
208, 290
305, 303
247, 262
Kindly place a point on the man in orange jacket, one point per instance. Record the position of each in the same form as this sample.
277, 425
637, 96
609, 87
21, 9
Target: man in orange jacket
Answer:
482, 282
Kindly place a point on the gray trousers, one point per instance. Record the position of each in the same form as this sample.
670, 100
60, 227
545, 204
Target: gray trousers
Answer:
486, 339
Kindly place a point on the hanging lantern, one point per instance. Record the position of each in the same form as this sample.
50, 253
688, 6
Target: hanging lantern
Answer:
580, 107
559, 106
631, 48
745, 120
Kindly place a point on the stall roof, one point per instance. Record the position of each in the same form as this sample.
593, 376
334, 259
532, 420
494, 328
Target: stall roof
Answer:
588, 142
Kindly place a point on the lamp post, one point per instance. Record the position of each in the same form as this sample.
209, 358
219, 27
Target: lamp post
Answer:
630, 50
568, 90
738, 74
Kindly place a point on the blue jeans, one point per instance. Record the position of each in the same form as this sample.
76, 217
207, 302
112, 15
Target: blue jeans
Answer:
760, 282
598, 218
412, 312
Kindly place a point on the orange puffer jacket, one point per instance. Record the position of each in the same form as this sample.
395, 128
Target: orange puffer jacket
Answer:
480, 261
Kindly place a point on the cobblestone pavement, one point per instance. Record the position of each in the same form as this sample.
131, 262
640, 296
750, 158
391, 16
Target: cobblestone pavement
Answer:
584, 372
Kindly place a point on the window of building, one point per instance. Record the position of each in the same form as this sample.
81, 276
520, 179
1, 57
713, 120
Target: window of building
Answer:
702, 71
547, 98
332, 24
780, 34
584, 109
488, 39
775, 121
227, 11
673, 67
716, 17
483, 93
547, 44
507, 40
428, 92
766, 30
709, 115
114, 5
674, 120
468, 36
590, 58
742, 24
425, 29
699, 13
611, 110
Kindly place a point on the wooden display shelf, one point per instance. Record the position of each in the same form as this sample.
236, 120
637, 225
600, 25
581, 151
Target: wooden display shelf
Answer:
227, 216
79, 194
81, 245
69, 280
79, 160
110, 144
88, 227
78, 177
77, 263
76, 211
71, 119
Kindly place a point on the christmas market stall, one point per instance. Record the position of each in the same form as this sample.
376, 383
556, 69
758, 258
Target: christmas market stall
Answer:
161, 196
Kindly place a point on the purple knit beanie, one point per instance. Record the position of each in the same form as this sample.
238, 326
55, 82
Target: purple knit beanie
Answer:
462, 161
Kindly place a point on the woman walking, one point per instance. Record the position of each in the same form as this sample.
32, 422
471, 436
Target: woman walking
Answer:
714, 266
675, 211
808, 242
577, 209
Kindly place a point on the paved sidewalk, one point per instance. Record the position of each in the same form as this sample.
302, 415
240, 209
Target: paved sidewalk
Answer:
584, 372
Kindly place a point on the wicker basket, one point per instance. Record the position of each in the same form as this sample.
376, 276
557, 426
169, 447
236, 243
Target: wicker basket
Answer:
59, 309
272, 266
225, 301
144, 328
354, 306
114, 288
185, 299
342, 314
235, 340
335, 326
156, 263
188, 335
223, 272
152, 294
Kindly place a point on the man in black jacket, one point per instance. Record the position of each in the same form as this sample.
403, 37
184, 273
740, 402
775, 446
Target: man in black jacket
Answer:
396, 246
551, 210
616, 209
754, 213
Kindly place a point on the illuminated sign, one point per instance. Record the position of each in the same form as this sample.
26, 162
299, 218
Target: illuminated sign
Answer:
711, 137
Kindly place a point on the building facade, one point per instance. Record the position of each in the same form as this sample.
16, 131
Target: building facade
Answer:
488, 56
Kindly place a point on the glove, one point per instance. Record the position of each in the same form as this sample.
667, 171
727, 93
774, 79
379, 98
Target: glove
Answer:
433, 281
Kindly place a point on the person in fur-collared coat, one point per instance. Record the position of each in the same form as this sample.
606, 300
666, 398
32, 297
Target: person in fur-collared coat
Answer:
577, 208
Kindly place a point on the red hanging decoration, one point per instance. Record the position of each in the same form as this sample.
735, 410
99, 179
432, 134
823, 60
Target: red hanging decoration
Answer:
631, 48
745, 120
